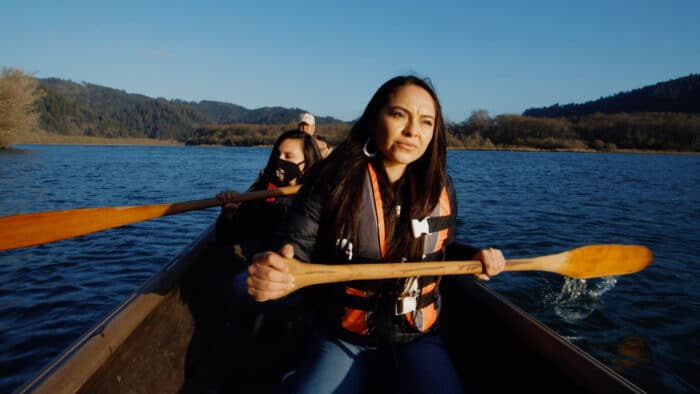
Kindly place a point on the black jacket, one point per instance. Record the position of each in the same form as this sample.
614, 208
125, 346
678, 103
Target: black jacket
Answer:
253, 225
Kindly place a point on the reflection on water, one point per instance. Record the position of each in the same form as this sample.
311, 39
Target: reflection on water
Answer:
634, 352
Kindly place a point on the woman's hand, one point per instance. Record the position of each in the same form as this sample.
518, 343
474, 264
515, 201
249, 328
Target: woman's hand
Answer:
268, 276
229, 202
493, 262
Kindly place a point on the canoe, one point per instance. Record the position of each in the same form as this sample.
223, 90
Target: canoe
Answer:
183, 332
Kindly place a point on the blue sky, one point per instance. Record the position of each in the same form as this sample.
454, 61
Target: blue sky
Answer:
329, 57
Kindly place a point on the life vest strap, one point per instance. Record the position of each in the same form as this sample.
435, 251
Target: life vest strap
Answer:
429, 225
361, 303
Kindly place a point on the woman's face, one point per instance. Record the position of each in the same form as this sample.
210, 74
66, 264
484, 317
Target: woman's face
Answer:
292, 150
405, 128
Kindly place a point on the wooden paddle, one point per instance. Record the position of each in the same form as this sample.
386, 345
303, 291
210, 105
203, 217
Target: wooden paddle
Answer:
585, 262
19, 231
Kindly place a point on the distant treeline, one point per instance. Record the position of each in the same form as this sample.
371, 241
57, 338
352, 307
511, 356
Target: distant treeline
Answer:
601, 132
644, 131
246, 134
664, 116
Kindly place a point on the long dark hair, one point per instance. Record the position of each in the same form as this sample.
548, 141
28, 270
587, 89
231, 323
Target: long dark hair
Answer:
311, 157
342, 174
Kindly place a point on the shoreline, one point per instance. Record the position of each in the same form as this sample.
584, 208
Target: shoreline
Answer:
44, 138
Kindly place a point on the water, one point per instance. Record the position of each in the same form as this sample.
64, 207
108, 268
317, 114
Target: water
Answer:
643, 325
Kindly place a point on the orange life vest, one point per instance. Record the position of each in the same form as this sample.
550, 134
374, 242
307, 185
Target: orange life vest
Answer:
417, 299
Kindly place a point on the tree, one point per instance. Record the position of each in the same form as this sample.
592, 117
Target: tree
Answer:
18, 95
479, 120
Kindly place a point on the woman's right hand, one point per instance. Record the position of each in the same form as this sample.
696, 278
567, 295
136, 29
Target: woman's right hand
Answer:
268, 276
493, 262
229, 202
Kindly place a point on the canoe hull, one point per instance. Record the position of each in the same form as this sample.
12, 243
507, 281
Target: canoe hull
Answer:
183, 332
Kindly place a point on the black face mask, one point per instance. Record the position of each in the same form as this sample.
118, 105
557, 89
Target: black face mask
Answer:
284, 171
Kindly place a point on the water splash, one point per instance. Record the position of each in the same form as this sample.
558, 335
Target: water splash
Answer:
578, 298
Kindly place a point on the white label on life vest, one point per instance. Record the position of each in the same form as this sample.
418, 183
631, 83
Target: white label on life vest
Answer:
406, 305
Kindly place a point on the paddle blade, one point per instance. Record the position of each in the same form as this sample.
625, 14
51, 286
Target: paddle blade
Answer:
606, 260
19, 231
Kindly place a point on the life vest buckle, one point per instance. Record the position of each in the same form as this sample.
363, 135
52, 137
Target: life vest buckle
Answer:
405, 305
420, 227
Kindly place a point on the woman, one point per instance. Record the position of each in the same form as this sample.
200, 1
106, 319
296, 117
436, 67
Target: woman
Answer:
383, 195
249, 224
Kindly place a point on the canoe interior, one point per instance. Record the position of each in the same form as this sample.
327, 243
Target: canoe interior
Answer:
183, 332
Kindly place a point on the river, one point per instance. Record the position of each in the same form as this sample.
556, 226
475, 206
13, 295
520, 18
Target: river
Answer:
643, 325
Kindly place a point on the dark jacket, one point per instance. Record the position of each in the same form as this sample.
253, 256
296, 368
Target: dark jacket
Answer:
253, 224
303, 229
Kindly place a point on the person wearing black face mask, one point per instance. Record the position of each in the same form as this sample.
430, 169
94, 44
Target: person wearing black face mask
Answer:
248, 224
286, 172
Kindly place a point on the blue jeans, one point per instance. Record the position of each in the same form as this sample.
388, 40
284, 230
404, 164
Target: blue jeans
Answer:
336, 366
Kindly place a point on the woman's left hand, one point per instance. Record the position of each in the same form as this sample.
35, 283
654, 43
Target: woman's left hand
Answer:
493, 261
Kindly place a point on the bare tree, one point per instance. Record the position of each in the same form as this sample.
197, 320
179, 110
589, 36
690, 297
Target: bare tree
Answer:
18, 95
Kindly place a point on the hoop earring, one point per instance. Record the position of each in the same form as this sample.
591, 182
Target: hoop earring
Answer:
365, 151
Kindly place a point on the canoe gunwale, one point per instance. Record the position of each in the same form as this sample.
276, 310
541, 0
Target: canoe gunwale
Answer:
74, 366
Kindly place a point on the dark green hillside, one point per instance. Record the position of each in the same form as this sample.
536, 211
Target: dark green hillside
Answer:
218, 112
88, 109
677, 95
63, 115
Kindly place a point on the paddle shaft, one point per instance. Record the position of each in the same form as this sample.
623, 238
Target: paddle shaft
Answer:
585, 262
24, 230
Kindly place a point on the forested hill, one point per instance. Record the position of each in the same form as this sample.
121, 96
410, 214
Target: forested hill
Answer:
665, 116
680, 95
661, 117
87, 109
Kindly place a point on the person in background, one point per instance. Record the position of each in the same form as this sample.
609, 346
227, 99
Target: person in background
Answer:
307, 123
383, 195
324, 146
248, 224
